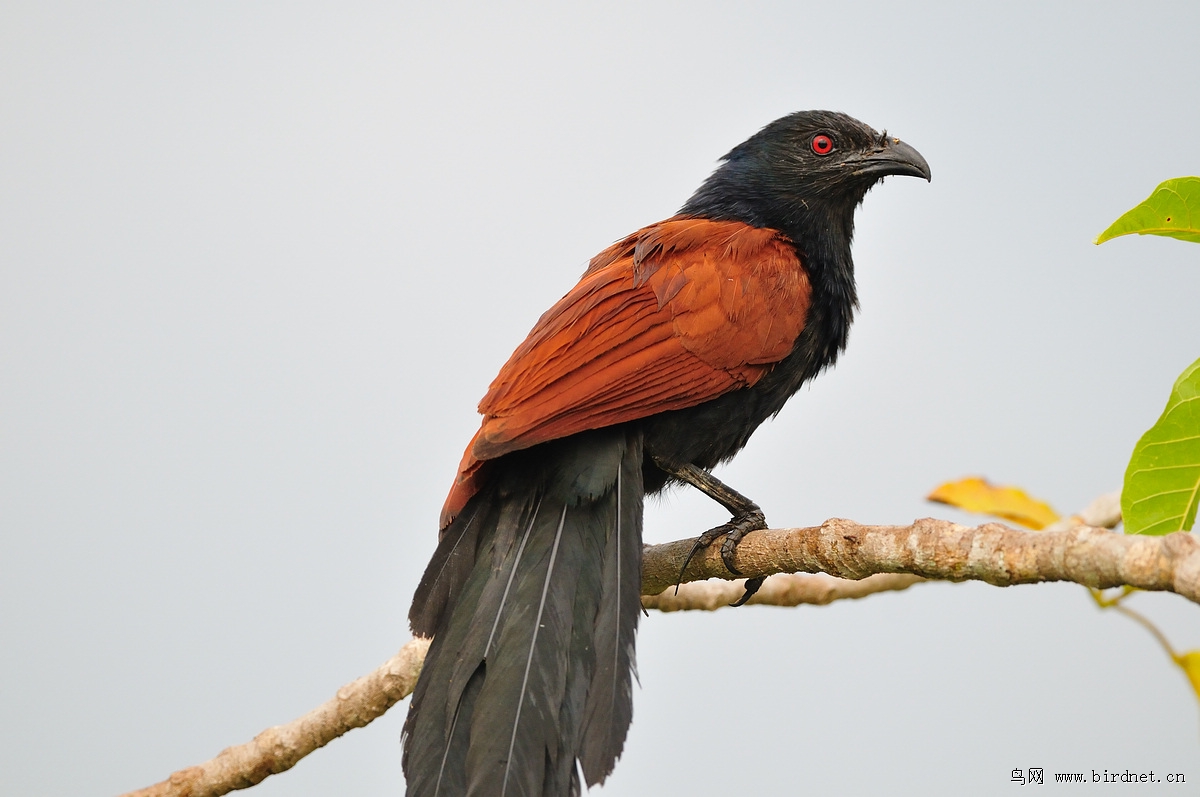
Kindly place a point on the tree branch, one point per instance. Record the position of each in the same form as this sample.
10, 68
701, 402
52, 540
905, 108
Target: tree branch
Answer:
939, 549
781, 589
873, 558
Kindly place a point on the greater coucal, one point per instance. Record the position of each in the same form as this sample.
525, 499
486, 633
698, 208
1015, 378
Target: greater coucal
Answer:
676, 344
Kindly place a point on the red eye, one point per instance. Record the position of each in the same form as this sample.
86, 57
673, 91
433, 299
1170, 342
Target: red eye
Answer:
822, 144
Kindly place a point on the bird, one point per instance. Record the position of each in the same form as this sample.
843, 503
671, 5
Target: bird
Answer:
678, 341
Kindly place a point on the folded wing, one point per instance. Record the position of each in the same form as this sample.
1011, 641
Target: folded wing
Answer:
672, 316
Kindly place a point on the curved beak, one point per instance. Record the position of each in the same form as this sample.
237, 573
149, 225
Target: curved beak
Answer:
893, 156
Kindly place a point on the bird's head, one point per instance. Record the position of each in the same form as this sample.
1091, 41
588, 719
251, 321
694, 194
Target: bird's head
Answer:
804, 173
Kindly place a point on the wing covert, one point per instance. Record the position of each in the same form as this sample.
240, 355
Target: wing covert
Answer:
674, 315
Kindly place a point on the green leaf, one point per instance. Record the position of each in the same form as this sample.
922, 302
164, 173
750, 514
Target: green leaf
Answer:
1172, 210
1162, 483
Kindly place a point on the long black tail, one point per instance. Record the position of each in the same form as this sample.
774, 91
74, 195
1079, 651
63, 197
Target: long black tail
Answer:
533, 601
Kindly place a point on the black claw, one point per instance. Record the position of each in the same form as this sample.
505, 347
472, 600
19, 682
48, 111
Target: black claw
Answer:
738, 529
696, 546
752, 585
703, 541
727, 550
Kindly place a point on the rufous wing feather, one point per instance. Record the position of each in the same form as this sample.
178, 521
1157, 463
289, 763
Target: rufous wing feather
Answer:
676, 314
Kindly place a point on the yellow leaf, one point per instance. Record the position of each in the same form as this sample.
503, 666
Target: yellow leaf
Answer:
1010, 503
1190, 662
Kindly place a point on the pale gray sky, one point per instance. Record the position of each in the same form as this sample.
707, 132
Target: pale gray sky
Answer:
259, 261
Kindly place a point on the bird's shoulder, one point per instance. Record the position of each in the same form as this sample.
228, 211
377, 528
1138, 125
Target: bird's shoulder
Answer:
737, 294
713, 302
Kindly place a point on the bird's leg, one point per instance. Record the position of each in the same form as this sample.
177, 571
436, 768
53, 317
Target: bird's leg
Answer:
747, 517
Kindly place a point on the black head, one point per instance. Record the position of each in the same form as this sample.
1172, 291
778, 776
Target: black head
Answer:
804, 174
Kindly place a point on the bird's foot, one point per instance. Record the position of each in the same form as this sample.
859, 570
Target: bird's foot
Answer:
747, 517
733, 532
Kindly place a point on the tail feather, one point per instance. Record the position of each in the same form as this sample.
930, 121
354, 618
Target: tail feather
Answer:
609, 708
447, 571
563, 777
473, 639
456, 661
451, 779
514, 731
531, 665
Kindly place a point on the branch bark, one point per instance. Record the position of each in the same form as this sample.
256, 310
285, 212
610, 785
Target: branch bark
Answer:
868, 559
781, 589
939, 549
